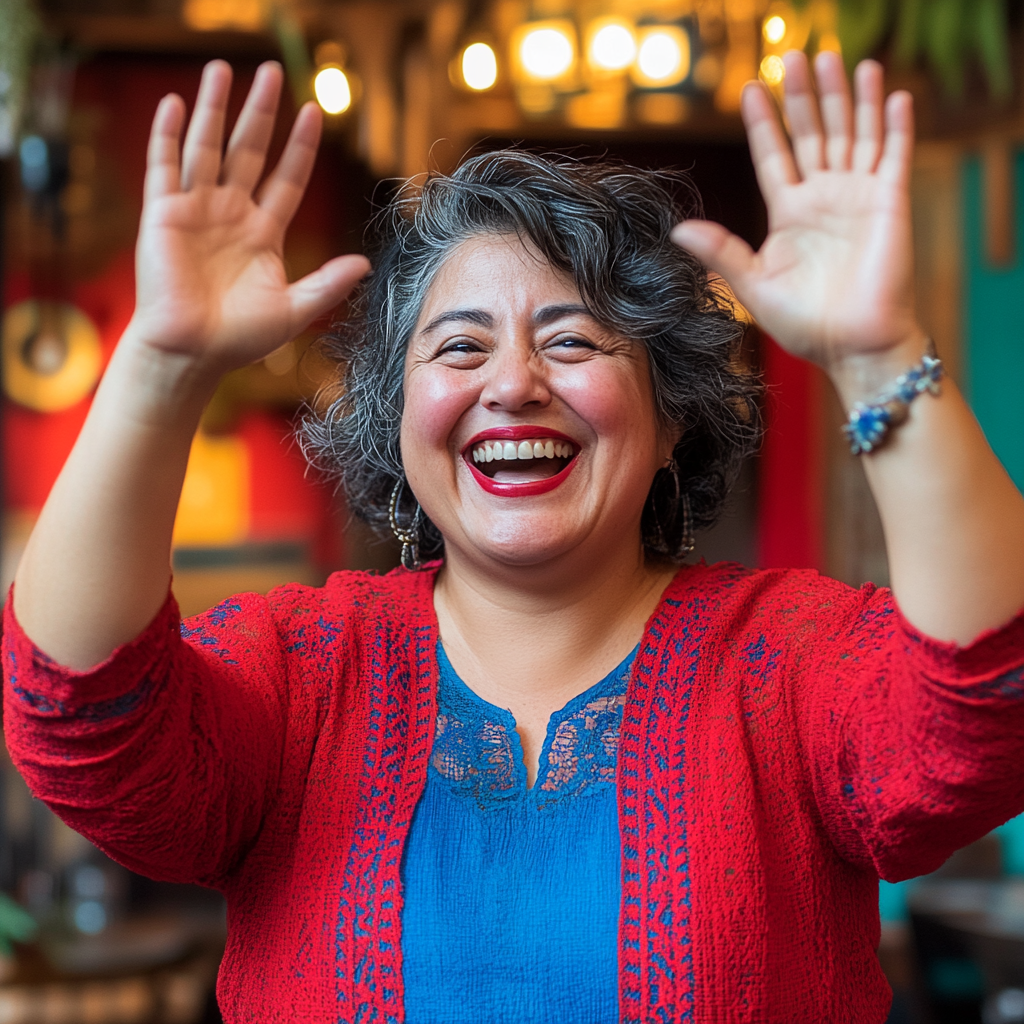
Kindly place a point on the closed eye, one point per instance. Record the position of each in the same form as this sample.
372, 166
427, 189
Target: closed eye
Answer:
570, 346
462, 353
460, 346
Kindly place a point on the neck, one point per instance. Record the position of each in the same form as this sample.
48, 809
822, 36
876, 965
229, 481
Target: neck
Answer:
535, 636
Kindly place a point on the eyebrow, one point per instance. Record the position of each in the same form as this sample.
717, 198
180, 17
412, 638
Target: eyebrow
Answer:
479, 317
543, 316
549, 314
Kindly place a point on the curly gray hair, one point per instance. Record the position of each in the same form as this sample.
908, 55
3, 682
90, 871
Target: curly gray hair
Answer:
607, 225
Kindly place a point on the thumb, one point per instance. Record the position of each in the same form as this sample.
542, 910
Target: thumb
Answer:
319, 292
718, 249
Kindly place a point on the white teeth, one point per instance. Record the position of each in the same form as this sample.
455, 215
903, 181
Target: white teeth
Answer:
497, 451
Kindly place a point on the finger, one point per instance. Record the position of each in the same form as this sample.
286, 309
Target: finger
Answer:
319, 292
201, 161
247, 149
163, 158
898, 151
801, 106
869, 92
769, 147
719, 250
836, 109
283, 190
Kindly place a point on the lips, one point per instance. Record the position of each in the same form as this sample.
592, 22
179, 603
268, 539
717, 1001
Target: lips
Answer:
506, 449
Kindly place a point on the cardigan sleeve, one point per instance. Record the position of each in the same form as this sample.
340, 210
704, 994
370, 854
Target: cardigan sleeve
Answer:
165, 755
916, 745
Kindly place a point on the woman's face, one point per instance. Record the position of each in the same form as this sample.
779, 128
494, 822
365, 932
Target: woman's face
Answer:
529, 429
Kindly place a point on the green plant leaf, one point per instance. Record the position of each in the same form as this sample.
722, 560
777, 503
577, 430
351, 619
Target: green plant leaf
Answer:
909, 39
861, 26
990, 38
946, 23
16, 924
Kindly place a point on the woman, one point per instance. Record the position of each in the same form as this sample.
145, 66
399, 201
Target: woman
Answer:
556, 775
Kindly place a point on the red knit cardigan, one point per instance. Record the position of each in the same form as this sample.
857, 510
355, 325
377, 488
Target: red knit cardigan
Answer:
785, 741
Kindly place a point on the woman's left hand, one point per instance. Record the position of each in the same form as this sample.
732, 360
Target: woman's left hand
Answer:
834, 278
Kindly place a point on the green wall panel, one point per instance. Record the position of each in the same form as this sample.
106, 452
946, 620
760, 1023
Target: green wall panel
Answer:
993, 310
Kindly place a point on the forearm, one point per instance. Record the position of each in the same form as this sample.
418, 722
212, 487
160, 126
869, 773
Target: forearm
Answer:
953, 519
97, 566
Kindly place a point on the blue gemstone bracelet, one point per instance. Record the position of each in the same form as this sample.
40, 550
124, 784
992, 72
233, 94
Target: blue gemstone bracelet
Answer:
869, 424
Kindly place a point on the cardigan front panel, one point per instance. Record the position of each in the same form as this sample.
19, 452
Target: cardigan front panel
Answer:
326, 944
769, 895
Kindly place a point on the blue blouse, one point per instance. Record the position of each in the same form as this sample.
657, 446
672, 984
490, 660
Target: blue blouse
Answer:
512, 894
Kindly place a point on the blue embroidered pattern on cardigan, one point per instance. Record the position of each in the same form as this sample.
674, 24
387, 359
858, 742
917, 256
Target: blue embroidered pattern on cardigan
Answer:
477, 750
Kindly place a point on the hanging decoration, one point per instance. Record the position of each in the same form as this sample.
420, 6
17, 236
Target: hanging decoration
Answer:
605, 64
51, 355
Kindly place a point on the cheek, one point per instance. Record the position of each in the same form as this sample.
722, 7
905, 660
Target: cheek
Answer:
435, 400
615, 402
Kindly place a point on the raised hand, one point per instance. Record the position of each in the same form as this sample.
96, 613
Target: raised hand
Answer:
834, 278
211, 281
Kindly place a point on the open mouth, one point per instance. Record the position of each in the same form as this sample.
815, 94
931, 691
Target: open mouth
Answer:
521, 461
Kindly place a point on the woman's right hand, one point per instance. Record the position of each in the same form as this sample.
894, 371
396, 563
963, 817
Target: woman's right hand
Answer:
210, 276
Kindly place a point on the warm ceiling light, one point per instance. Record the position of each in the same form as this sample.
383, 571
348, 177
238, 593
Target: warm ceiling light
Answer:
546, 52
479, 66
333, 91
773, 70
213, 15
612, 47
774, 29
663, 58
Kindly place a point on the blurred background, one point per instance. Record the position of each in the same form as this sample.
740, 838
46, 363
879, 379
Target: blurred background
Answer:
409, 86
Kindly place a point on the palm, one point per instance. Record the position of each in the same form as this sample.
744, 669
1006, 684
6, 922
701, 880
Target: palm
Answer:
211, 281
834, 276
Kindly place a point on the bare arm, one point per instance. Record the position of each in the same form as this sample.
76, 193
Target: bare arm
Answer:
211, 296
833, 283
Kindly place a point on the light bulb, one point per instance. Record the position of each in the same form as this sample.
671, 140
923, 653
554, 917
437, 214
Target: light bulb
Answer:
613, 47
479, 66
773, 70
774, 29
664, 57
546, 53
333, 92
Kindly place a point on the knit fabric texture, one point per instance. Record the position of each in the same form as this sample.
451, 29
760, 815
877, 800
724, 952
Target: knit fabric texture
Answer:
785, 741
511, 895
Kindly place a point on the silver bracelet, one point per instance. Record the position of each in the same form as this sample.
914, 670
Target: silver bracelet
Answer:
869, 423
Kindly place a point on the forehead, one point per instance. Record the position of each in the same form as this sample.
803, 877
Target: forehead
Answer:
498, 272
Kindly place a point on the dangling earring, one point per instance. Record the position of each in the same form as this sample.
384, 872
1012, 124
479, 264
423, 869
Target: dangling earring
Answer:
409, 537
686, 541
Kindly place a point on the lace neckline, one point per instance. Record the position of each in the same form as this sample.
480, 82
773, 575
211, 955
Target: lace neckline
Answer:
477, 751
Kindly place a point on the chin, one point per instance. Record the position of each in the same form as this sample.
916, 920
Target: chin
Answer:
523, 544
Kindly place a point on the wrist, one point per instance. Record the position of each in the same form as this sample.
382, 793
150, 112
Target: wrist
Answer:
861, 376
156, 385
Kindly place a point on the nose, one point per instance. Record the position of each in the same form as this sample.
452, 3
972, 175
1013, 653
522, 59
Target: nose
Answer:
515, 380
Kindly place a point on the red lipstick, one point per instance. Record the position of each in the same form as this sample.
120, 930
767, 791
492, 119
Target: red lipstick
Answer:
519, 433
